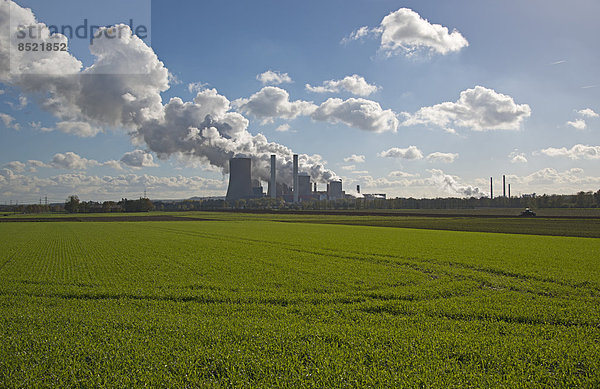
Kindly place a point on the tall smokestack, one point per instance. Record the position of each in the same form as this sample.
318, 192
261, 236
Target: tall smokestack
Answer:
492, 188
315, 188
358, 189
509, 191
273, 183
503, 185
296, 189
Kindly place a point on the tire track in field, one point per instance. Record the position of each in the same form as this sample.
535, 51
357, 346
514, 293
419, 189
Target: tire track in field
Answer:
444, 267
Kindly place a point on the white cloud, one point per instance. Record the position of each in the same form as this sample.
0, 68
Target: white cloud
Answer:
405, 32
355, 158
571, 180
197, 87
479, 109
359, 34
38, 126
578, 124
576, 152
16, 166
516, 157
272, 102
274, 78
138, 159
9, 121
113, 164
283, 128
81, 129
72, 161
354, 84
588, 112
442, 157
111, 93
359, 113
401, 174
411, 153
349, 167
101, 188
23, 101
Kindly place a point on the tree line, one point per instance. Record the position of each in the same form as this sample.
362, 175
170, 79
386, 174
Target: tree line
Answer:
74, 205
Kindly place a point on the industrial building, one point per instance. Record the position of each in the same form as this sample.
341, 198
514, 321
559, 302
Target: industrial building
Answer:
242, 186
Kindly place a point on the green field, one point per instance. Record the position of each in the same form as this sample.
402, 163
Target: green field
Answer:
277, 301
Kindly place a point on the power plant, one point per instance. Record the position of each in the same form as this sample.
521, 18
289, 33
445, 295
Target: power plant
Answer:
242, 186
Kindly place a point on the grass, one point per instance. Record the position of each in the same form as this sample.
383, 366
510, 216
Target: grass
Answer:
252, 302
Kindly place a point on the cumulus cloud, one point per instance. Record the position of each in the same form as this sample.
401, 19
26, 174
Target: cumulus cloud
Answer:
442, 157
578, 151
23, 101
478, 109
355, 158
354, 84
38, 126
138, 159
401, 174
405, 32
283, 128
272, 102
410, 153
72, 161
271, 77
122, 90
9, 121
196, 87
516, 157
16, 166
573, 178
100, 188
81, 129
588, 112
578, 124
359, 113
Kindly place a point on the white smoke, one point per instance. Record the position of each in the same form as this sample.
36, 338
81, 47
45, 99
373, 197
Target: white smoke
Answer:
449, 184
114, 93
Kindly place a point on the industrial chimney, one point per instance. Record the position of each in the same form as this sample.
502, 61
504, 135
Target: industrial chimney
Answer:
503, 185
358, 189
492, 188
273, 182
296, 189
240, 182
509, 191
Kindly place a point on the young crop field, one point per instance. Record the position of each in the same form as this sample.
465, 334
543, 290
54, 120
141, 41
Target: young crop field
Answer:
249, 302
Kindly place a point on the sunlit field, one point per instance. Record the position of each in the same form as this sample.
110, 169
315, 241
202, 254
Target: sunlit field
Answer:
248, 302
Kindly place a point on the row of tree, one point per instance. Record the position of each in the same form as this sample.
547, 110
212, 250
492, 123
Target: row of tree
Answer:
580, 200
74, 205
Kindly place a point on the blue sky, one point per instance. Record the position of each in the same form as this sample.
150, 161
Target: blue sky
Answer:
460, 91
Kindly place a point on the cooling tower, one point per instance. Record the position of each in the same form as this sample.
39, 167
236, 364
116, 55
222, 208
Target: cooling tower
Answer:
273, 182
335, 190
304, 185
240, 182
296, 189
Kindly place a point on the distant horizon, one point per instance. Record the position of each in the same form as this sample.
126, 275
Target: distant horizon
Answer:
427, 100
